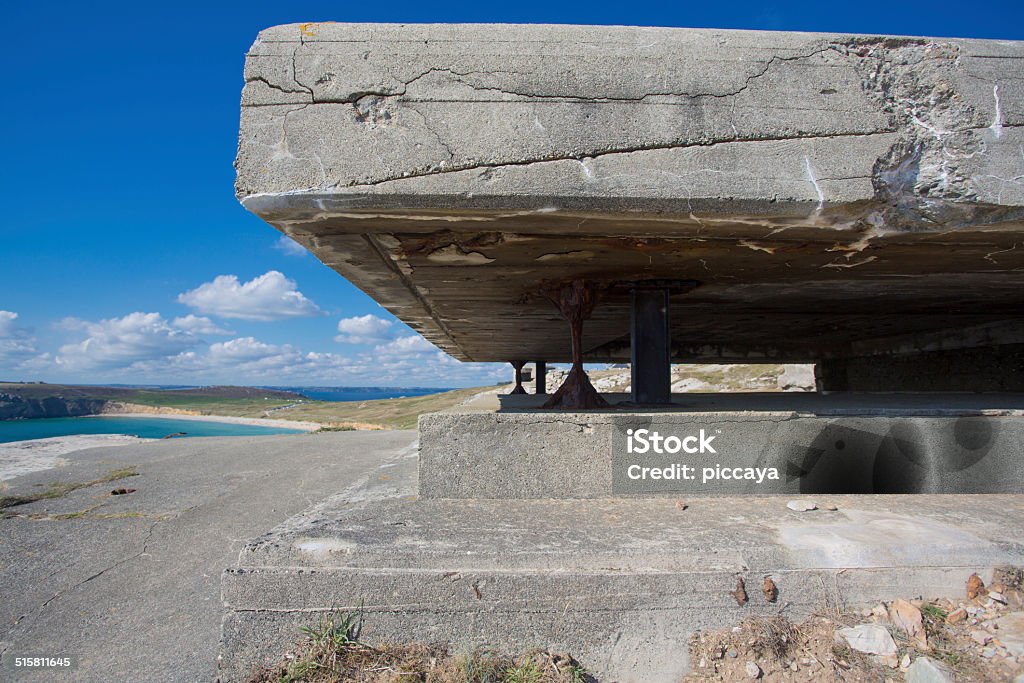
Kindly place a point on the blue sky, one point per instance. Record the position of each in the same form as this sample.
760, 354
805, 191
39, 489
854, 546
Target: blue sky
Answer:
120, 220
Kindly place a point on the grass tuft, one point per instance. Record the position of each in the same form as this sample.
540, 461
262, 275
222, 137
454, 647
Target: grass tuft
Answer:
59, 489
332, 653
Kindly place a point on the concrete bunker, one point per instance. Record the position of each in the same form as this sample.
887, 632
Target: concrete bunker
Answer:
558, 194
850, 201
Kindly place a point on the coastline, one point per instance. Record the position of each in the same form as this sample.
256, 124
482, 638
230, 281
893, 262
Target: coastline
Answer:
34, 455
256, 421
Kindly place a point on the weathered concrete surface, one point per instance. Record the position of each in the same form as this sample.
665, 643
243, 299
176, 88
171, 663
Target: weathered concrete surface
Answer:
828, 191
621, 584
815, 443
131, 588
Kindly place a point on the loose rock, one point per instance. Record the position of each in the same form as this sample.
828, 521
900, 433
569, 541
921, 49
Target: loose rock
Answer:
753, 670
801, 505
872, 639
956, 616
740, 592
924, 670
974, 586
908, 617
1011, 633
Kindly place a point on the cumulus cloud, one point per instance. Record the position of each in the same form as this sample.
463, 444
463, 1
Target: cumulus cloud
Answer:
7, 319
411, 345
122, 342
248, 360
197, 324
17, 346
270, 296
364, 329
289, 247
147, 347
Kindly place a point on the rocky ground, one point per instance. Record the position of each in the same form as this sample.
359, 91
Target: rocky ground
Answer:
977, 638
706, 377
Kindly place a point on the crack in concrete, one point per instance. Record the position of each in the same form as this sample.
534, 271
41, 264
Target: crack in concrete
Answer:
580, 157
403, 87
70, 589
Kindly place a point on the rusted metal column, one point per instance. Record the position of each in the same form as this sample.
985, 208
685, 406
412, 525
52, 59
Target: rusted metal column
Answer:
575, 301
518, 365
540, 375
650, 366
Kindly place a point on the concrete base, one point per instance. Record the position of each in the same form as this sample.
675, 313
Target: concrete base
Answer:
852, 443
621, 584
499, 550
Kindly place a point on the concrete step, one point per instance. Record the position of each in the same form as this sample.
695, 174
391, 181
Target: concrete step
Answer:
622, 584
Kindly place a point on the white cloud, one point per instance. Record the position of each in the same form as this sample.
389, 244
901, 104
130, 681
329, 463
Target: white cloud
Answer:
270, 296
17, 346
413, 344
145, 347
197, 324
121, 342
7, 319
289, 247
364, 329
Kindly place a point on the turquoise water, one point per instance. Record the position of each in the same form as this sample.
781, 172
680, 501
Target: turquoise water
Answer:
144, 427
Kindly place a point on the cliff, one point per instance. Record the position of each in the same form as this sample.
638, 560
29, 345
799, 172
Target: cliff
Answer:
13, 407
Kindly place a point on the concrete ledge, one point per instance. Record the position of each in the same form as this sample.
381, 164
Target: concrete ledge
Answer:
815, 444
622, 584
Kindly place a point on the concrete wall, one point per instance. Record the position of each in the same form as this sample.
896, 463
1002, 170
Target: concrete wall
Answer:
583, 455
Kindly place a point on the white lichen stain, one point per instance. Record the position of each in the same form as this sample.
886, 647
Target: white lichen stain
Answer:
837, 264
812, 178
581, 255
586, 169
988, 256
997, 122
756, 247
456, 255
860, 244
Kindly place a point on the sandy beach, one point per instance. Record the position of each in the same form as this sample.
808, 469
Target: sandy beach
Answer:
34, 455
257, 421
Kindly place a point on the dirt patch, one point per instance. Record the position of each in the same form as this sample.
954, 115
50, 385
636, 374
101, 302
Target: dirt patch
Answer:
974, 639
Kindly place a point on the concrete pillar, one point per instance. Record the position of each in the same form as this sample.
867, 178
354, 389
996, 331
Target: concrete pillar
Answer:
651, 347
540, 374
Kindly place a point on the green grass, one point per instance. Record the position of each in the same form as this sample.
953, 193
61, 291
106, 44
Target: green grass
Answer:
59, 489
330, 652
395, 413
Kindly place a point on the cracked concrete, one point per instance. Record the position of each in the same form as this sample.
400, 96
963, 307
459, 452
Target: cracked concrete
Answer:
131, 587
875, 175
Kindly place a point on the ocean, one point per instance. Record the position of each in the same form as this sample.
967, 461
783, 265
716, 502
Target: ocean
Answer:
360, 393
144, 427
